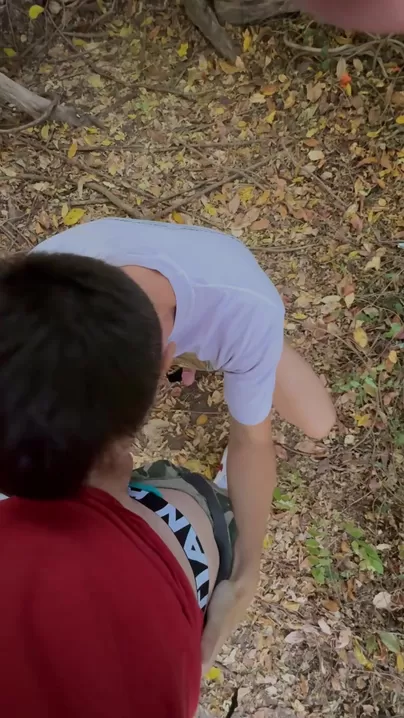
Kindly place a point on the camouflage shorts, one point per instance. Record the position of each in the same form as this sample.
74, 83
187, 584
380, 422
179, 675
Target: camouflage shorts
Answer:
213, 500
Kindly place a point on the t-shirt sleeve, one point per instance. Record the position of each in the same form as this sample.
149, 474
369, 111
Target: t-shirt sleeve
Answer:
249, 379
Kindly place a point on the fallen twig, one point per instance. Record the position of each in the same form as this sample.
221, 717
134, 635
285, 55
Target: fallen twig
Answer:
311, 175
270, 250
117, 201
205, 189
342, 50
32, 123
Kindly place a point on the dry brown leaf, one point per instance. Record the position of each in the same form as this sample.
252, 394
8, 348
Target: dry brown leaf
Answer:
314, 92
234, 204
331, 606
307, 446
315, 155
260, 224
397, 98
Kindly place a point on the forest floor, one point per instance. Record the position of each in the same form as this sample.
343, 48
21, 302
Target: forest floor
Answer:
297, 150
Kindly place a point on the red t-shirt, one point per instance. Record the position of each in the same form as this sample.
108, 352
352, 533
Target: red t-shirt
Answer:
97, 619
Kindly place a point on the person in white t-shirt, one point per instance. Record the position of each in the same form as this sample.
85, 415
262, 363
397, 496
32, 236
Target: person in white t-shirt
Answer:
215, 303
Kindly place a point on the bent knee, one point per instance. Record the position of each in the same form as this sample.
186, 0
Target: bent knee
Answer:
320, 426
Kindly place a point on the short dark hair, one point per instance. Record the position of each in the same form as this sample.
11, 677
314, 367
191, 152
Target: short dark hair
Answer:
80, 361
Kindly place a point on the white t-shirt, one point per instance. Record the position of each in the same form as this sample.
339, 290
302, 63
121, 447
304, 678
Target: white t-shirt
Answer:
228, 311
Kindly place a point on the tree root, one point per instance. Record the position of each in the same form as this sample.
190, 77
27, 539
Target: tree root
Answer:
201, 14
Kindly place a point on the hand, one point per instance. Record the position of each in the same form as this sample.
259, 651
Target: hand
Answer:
227, 607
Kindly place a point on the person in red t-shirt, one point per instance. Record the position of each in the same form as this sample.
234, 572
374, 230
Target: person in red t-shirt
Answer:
106, 573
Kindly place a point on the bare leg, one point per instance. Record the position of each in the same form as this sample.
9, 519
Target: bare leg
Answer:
300, 398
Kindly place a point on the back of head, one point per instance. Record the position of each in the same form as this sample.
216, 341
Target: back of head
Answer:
80, 360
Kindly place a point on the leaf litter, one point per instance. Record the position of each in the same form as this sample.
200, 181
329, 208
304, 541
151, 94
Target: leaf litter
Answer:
299, 154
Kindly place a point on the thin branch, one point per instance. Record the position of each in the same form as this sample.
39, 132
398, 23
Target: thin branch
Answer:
117, 201
45, 115
311, 175
206, 188
342, 50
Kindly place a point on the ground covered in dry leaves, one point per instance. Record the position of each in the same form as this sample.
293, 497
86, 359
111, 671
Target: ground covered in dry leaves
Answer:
297, 150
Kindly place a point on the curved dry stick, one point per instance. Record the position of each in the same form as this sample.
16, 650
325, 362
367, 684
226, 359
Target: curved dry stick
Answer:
342, 50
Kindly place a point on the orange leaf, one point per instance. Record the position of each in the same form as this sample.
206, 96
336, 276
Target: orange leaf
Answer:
345, 79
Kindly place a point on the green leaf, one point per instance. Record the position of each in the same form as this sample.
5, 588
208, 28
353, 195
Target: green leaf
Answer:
9, 51
318, 574
370, 559
371, 644
283, 501
355, 531
35, 11
394, 330
390, 640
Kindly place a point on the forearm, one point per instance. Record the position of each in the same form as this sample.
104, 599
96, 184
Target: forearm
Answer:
251, 472
251, 481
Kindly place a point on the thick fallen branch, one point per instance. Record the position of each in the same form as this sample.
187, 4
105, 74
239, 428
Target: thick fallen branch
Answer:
35, 105
32, 123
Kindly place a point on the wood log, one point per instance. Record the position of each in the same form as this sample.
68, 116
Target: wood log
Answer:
34, 105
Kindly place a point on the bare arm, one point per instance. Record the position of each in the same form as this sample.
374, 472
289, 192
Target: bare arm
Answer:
251, 478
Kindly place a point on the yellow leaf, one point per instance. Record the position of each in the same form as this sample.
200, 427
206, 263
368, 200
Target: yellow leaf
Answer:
35, 11
95, 81
195, 466
348, 89
290, 100
214, 674
178, 218
125, 31
227, 68
106, 143
210, 209
79, 42
263, 198
72, 150
362, 419
373, 263
113, 169
268, 542
361, 658
73, 216
202, 420
400, 662
182, 50
393, 357
270, 118
247, 39
45, 132
361, 337
373, 134
246, 193
400, 120
313, 131
9, 51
